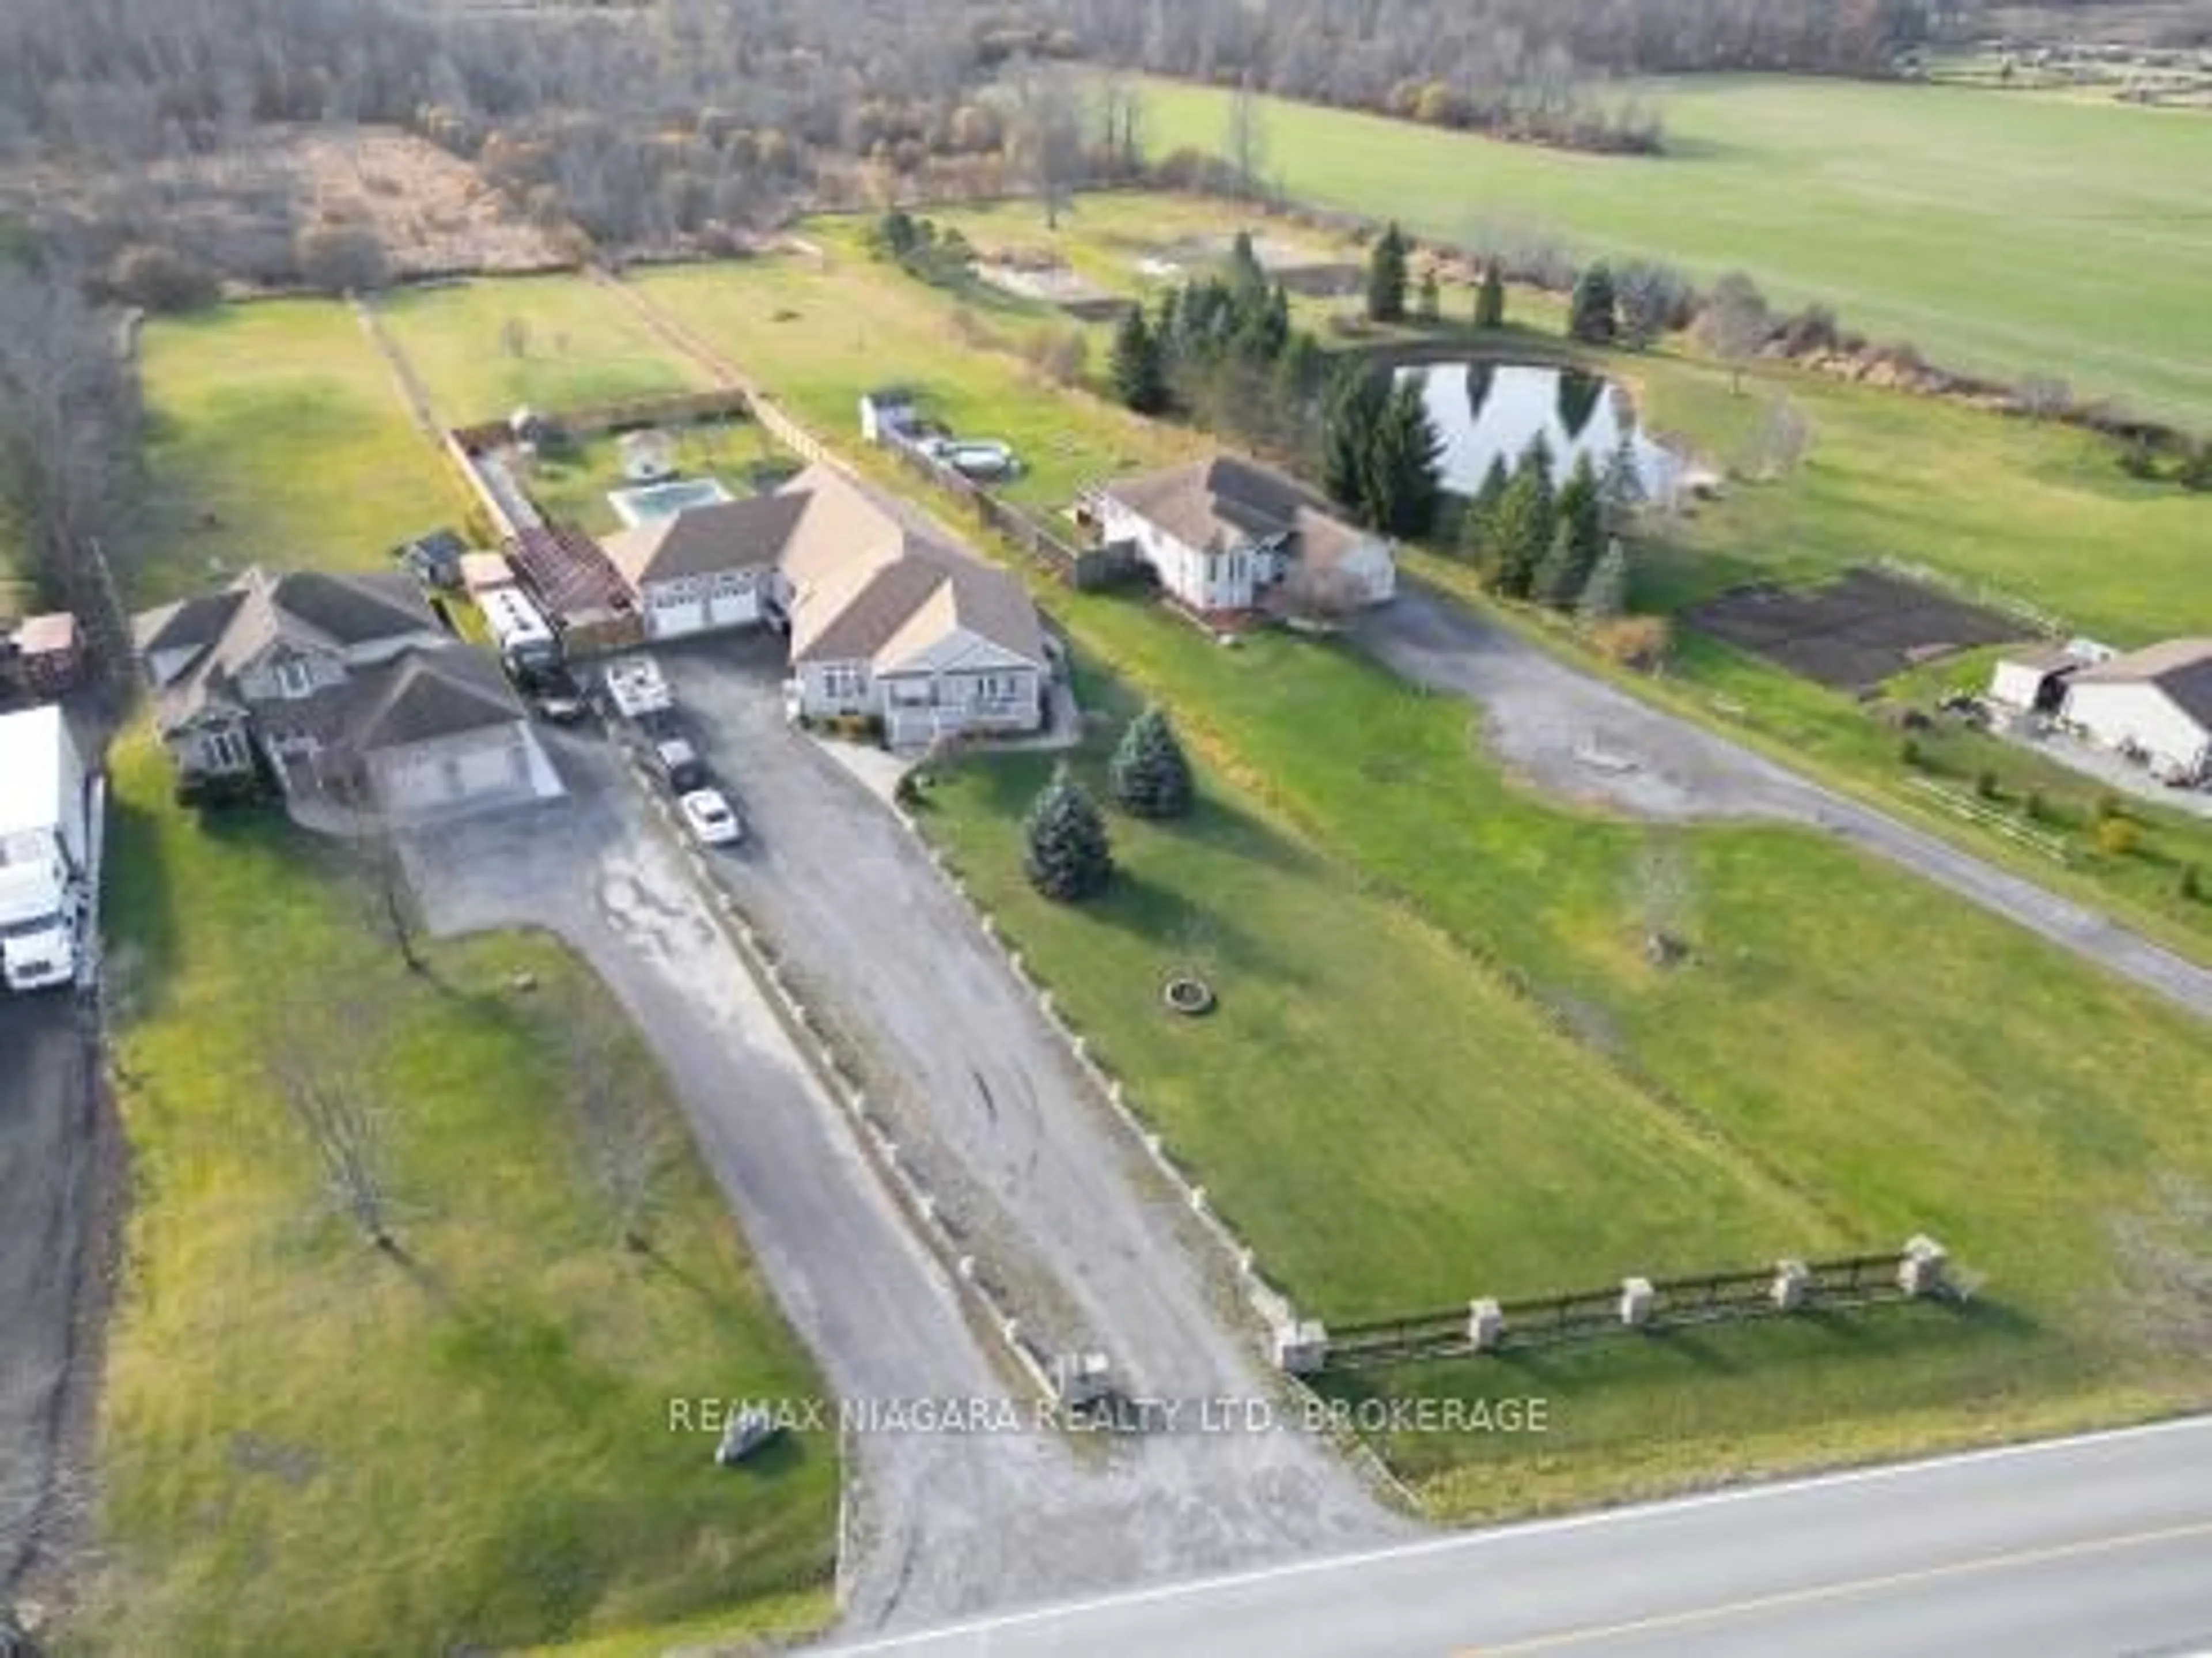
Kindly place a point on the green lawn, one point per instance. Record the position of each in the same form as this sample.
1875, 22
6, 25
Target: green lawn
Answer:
277, 437
310, 1447
2017, 233
572, 485
577, 346
1861, 1057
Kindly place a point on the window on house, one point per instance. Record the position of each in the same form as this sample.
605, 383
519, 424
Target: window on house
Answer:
223, 750
846, 684
294, 678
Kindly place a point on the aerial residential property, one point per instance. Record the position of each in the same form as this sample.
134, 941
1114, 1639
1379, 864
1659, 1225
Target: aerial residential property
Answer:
1095, 828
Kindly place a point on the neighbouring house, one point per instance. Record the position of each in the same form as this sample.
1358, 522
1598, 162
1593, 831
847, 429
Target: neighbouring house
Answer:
707, 568
2154, 705
338, 685
888, 621
434, 559
2033, 678
1222, 533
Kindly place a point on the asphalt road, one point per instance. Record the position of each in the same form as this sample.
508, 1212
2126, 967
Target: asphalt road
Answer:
1573, 734
2097, 1545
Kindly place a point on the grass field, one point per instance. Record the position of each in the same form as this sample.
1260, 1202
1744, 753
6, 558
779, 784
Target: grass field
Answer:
308, 1447
576, 347
1866, 1057
2022, 235
280, 420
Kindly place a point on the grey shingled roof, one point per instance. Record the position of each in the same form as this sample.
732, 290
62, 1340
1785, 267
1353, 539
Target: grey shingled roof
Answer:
2181, 668
1226, 501
728, 534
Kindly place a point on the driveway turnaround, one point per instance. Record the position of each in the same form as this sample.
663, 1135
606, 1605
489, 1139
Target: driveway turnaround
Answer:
2095, 1546
947, 1521
1571, 733
49, 1149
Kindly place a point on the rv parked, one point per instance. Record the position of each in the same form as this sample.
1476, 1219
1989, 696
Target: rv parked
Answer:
47, 855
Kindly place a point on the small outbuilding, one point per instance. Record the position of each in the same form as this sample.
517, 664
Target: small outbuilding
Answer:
886, 413
2032, 679
46, 653
433, 558
2154, 705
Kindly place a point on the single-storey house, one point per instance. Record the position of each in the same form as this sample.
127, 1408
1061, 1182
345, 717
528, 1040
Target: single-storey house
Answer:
2153, 704
334, 682
707, 568
1219, 533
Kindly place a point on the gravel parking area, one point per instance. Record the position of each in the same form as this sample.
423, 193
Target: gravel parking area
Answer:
943, 1524
51, 1143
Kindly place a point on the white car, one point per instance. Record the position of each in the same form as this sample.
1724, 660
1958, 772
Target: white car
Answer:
711, 818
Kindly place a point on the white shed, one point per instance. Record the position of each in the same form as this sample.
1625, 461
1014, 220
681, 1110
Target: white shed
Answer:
2032, 679
2155, 705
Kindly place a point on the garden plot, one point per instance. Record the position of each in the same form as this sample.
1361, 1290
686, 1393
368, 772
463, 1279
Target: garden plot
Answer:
1853, 633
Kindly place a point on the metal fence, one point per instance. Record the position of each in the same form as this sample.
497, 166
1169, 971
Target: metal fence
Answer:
1637, 1307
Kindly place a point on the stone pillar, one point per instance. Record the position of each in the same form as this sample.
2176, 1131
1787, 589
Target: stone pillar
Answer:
1301, 1347
1793, 1282
1924, 1270
1636, 1298
1485, 1324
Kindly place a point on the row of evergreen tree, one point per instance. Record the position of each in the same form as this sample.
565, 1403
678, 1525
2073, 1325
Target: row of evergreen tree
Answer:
1556, 543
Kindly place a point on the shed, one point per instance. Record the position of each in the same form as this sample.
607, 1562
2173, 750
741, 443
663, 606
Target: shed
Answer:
48, 653
885, 412
2033, 678
433, 558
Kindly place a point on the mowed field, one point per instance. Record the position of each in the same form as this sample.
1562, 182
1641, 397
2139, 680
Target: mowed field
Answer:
277, 438
2015, 233
485, 348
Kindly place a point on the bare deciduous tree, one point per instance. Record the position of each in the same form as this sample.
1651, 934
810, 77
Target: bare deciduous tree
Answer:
378, 867
1244, 146
1734, 323
625, 1144
321, 1062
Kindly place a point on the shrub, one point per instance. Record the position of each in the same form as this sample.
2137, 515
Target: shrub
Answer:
1908, 751
1986, 784
2190, 886
1636, 641
2034, 808
2118, 836
2109, 806
2138, 459
1150, 775
339, 258
161, 279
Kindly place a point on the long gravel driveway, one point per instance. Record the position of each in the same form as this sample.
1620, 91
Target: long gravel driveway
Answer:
1574, 735
944, 1525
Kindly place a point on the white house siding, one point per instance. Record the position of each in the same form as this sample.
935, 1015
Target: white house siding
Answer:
2016, 684
917, 707
470, 771
2120, 713
701, 605
1219, 582
826, 689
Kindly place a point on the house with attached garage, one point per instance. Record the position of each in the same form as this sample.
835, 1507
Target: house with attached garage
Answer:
2154, 705
708, 568
336, 686
1224, 534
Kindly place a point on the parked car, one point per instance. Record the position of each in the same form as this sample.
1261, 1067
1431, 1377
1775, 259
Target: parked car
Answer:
711, 818
553, 693
678, 764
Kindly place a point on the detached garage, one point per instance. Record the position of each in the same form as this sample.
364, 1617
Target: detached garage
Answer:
2152, 705
707, 568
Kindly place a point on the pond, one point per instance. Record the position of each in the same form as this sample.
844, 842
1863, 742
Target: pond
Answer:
1493, 411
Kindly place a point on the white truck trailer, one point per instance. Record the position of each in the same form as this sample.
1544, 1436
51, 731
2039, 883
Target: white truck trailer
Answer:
48, 855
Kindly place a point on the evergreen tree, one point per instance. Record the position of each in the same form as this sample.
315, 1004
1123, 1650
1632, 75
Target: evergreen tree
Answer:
1139, 373
1605, 595
1581, 513
1592, 314
1621, 488
1430, 302
1523, 525
1150, 775
1405, 485
1357, 402
1556, 583
1069, 857
1490, 300
1387, 277
1246, 274
1478, 529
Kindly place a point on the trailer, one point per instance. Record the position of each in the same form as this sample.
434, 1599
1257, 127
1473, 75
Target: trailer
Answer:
636, 690
49, 852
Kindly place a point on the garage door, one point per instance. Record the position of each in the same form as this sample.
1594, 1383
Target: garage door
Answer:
672, 619
492, 772
733, 610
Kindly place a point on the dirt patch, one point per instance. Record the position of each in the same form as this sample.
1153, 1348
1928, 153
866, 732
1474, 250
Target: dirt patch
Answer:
1301, 267
431, 210
1850, 633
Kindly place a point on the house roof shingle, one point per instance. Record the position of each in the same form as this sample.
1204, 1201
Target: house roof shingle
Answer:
730, 535
1226, 501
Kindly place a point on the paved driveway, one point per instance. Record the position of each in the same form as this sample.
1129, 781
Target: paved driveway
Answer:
1571, 733
48, 1180
945, 1524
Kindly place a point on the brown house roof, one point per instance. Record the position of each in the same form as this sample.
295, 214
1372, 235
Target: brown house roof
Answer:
730, 535
1226, 501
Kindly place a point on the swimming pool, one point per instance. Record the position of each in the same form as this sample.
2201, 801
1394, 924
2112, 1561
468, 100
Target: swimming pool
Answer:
651, 501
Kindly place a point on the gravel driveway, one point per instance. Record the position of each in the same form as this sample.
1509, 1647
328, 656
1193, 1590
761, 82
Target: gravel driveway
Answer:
944, 1525
1573, 734
49, 1146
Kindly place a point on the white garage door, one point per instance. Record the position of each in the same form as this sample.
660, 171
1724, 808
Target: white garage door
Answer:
445, 778
738, 609
672, 619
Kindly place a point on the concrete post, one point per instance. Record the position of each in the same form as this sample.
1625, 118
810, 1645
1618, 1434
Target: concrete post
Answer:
1636, 1298
1793, 1282
1485, 1323
1925, 1269
1301, 1347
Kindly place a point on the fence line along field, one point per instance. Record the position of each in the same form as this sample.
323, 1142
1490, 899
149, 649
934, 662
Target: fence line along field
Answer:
2019, 234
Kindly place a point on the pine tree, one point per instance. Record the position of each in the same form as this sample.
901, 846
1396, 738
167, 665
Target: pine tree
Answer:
1150, 775
1580, 514
1246, 274
1069, 857
1386, 276
1140, 375
1605, 595
1556, 582
1489, 302
1621, 488
1524, 524
1405, 484
1592, 314
1430, 303
1357, 402
1477, 530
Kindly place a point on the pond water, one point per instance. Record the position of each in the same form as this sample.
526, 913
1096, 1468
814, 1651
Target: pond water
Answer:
1491, 411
